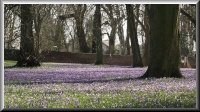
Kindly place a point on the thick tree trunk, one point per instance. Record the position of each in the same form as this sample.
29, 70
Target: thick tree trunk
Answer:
98, 35
164, 42
146, 50
27, 57
137, 60
147, 36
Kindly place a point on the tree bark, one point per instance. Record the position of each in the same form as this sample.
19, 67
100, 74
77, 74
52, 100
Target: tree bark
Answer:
79, 16
137, 60
147, 36
121, 37
164, 42
81, 37
112, 37
120, 31
127, 41
37, 23
27, 57
98, 35
113, 24
188, 16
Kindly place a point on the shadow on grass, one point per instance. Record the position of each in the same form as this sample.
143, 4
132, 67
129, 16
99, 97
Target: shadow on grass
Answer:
75, 81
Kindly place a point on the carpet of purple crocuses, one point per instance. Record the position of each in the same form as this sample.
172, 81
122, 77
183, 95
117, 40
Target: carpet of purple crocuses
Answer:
86, 77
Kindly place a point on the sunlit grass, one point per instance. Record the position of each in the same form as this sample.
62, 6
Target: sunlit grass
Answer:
9, 63
61, 96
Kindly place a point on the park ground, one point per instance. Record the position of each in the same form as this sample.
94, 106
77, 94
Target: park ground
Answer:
68, 85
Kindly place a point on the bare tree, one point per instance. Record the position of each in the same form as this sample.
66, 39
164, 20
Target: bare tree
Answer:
79, 13
137, 60
40, 13
119, 10
108, 8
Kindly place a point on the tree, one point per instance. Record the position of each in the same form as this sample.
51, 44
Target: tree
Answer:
97, 34
79, 17
79, 12
108, 8
27, 57
11, 28
145, 27
127, 41
137, 60
188, 16
40, 12
164, 42
120, 31
59, 31
187, 30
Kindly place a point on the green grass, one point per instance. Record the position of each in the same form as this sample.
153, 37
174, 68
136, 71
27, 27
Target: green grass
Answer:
26, 97
9, 63
69, 96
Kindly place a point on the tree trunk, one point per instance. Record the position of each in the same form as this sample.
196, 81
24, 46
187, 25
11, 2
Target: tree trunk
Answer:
146, 49
37, 19
11, 32
127, 41
113, 24
164, 42
81, 37
112, 37
120, 17
94, 46
59, 34
121, 38
27, 57
97, 34
79, 17
37, 23
137, 60
147, 36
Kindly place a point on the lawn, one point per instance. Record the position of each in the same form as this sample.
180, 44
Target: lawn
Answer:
67, 85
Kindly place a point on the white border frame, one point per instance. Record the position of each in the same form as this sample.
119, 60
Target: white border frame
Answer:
91, 2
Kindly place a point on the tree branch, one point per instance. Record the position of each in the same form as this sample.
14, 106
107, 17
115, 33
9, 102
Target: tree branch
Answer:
142, 25
63, 17
107, 12
188, 16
